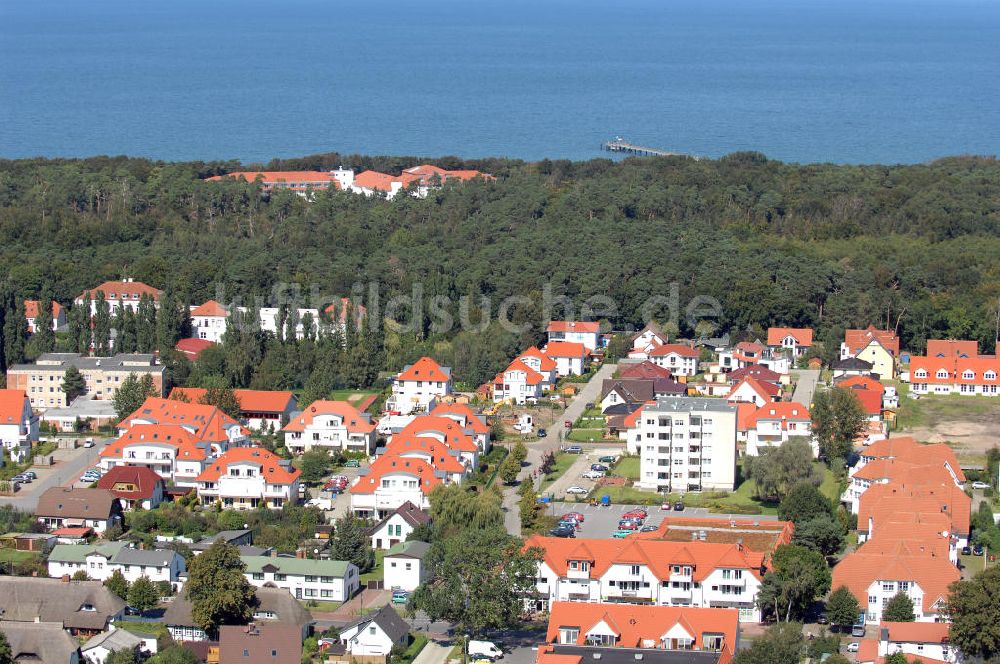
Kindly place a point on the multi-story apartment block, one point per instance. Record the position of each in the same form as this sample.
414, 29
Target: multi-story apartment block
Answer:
580, 332
125, 293
304, 578
334, 425
648, 572
686, 444
245, 478
681, 359
418, 385
43, 380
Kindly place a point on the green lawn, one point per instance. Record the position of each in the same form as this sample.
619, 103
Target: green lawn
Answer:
15, 556
974, 564
562, 464
830, 487
627, 467
377, 572
142, 628
585, 435
320, 606
929, 410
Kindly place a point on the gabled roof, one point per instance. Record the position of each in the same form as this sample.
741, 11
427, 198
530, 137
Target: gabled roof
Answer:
206, 422
582, 327
409, 549
644, 369
675, 349
192, 348
545, 363
757, 372
275, 644
857, 340
26, 599
463, 414
317, 179
860, 569
852, 364
211, 308
861, 383
425, 369
274, 601
141, 479
189, 446
907, 449
131, 290
31, 309
912, 632
870, 400
455, 435
438, 454
784, 412
271, 467
12, 406
299, 566
251, 401
658, 555
766, 391
952, 348
409, 512
881, 502
803, 335
69, 503
387, 620
531, 377
353, 420
391, 464
383, 181
40, 642
566, 349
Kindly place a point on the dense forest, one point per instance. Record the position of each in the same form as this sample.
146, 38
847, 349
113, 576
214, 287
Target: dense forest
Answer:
915, 248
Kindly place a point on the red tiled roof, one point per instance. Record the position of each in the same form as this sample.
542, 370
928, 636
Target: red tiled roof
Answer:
270, 465
785, 411
31, 312
390, 464
762, 374
192, 348
424, 369
172, 434
426, 172
881, 502
299, 179
584, 327
803, 335
141, 478
956, 370
545, 363
469, 419
766, 391
644, 626
210, 308
745, 412
860, 569
454, 433
912, 632
354, 420
862, 383
437, 453
12, 406
251, 401
858, 340
870, 400
644, 369
657, 555
208, 422
531, 377
952, 348
565, 349
133, 289
906, 448
671, 349
382, 181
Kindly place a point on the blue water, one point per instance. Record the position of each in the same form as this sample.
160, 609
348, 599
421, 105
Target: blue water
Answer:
800, 80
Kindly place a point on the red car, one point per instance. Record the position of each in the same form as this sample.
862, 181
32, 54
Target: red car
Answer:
573, 515
635, 514
629, 525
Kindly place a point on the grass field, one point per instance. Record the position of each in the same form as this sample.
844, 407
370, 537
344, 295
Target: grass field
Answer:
627, 467
377, 572
969, 424
142, 628
15, 556
562, 464
585, 435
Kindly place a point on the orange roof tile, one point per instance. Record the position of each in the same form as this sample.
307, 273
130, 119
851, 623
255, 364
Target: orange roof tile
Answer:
383, 181
745, 415
912, 632
785, 411
545, 362
565, 349
208, 422
142, 479
425, 369
302, 179
192, 348
531, 377
907, 449
858, 340
803, 335
862, 383
658, 555
270, 465
860, 569
354, 420
12, 405
952, 348
438, 454
189, 446
644, 626
390, 464
880, 502
132, 289
564, 326
454, 434
675, 349
210, 308
463, 414
31, 312
765, 390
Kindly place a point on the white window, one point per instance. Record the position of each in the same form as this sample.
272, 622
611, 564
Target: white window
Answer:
920, 373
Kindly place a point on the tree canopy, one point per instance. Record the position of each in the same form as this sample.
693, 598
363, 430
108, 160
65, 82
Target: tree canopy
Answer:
837, 420
899, 608
217, 589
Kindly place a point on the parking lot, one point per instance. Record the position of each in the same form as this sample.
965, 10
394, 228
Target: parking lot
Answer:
601, 522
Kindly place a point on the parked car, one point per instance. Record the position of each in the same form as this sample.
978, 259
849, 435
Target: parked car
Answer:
854, 646
647, 529
563, 531
966, 550
577, 490
593, 475
638, 514
31, 474
567, 424
484, 649
542, 433
621, 534
400, 597
821, 619
352, 463
574, 515
569, 523
678, 506
20, 479
599, 466
978, 550
89, 443
608, 459
980, 485
667, 506
629, 525
573, 449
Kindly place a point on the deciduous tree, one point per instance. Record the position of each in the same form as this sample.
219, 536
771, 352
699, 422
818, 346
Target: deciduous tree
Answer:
842, 607
118, 584
351, 543
837, 418
74, 384
899, 609
803, 503
143, 594
780, 644
131, 394
218, 590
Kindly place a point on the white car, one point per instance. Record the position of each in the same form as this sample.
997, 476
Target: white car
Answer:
980, 485
593, 475
89, 443
577, 490
853, 647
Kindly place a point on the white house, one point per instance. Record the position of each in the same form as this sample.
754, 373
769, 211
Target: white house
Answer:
404, 565
173, 452
334, 425
518, 382
472, 423
396, 527
686, 444
125, 293
245, 478
682, 360
774, 423
418, 385
101, 561
757, 392
580, 332
792, 339
31, 313
537, 361
645, 341
649, 572
376, 634
18, 425
570, 357
921, 640
209, 321
99, 648
304, 578
392, 481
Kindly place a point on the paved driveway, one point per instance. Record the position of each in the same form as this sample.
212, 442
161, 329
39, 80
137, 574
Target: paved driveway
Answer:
805, 388
68, 466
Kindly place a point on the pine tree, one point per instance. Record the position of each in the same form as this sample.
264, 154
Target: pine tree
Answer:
74, 384
102, 327
45, 337
15, 329
351, 544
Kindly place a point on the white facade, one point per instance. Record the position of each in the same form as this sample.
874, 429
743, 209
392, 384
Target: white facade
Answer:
332, 431
881, 591
569, 366
679, 365
209, 328
396, 529
418, 394
367, 638
686, 444
775, 424
938, 650
322, 580
394, 489
518, 384
17, 432
404, 572
635, 583
244, 487
101, 562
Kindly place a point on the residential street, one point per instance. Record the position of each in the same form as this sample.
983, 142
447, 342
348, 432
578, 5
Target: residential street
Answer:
805, 388
435, 652
68, 466
589, 392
